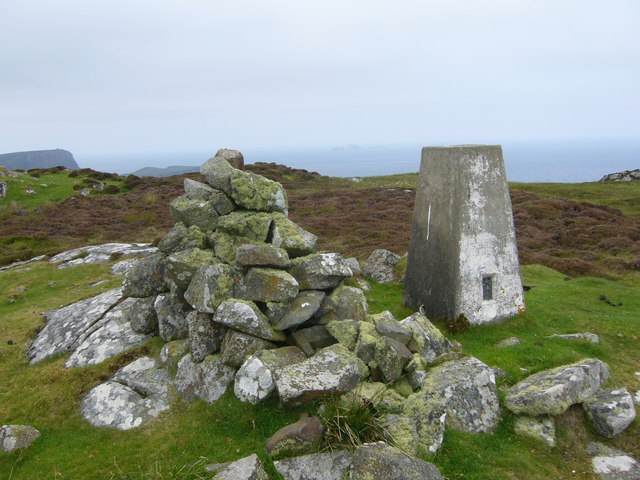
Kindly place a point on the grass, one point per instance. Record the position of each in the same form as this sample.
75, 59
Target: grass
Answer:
180, 443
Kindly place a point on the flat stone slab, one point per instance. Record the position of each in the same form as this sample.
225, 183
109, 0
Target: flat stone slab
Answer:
112, 336
611, 411
136, 394
589, 337
552, 392
69, 326
14, 437
317, 466
612, 464
94, 254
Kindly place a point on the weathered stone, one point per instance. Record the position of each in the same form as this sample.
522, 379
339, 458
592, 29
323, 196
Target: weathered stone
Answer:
400, 431
379, 460
611, 411
320, 271
551, 392
14, 437
121, 268
389, 327
391, 357
111, 335
197, 190
237, 346
250, 226
254, 381
199, 213
300, 309
248, 468
344, 303
345, 332
146, 278
181, 266
246, 317
429, 417
146, 377
205, 336
217, 171
267, 285
381, 265
255, 192
376, 394
182, 238
426, 339
106, 253
206, 380
299, 438
311, 339
589, 337
329, 371
225, 245
463, 257
317, 466
508, 342
210, 285
262, 255
291, 237
368, 337
354, 265
539, 428
66, 328
222, 203
612, 464
172, 352
172, 322
275, 311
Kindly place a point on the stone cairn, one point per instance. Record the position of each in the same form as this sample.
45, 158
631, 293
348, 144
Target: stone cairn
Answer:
241, 296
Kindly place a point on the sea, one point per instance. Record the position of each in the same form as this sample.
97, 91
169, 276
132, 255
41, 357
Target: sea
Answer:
561, 161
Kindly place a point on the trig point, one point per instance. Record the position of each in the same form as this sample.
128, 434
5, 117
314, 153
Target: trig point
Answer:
463, 256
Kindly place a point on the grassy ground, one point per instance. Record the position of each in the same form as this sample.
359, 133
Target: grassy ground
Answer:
180, 443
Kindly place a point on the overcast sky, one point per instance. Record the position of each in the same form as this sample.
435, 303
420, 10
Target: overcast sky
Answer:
145, 76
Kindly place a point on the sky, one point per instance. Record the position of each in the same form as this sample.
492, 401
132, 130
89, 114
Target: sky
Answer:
142, 76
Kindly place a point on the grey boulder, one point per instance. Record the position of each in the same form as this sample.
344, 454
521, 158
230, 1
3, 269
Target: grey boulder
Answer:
217, 171
262, 255
146, 278
320, 271
237, 346
142, 315
379, 460
611, 411
542, 429
289, 236
205, 336
255, 192
206, 380
172, 321
426, 339
199, 213
301, 309
246, 317
381, 266
14, 437
248, 468
267, 285
317, 466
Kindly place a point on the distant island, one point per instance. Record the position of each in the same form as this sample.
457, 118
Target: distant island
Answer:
38, 159
167, 171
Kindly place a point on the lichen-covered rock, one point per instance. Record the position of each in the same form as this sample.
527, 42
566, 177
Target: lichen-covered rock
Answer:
14, 437
210, 285
426, 339
400, 431
234, 157
345, 332
379, 460
146, 278
205, 336
172, 352
172, 321
246, 317
391, 356
612, 464
255, 192
381, 266
217, 171
248, 468
182, 238
237, 346
300, 309
389, 327
377, 394
94, 254
225, 245
551, 392
146, 377
539, 428
299, 438
200, 213
262, 255
344, 303
354, 265
181, 266
429, 418
250, 226
317, 466
121, 268
142, 315
67, 327
611, 411
195, 190
311, 339
267, 285
206, 380
296, 241
111, 335
329, 371
320, 271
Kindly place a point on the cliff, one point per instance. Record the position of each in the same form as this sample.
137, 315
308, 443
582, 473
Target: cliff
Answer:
38, 159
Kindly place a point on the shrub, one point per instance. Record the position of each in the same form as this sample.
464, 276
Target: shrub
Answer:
111, 189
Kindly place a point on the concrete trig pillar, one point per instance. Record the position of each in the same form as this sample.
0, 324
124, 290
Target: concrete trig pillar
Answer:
463, 256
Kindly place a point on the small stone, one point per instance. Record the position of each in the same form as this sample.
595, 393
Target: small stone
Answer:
426, 339
381, 266
267, 285
382, 461
301, 309
172, 352
262, 255
142, 315
345, 332
612, 464
9, 342
354, 265
317, 466
14, 437
237, 346
207, 380
197, 190
539, 428
320, 271
508, 342
344, 303
171, 314
217, 171
400, 431
246, 317
234, 157
611, 411
248, 468
255, 192
311, 339
146, 278
300, 438
210, 285
205, 336
199, 213
291, 237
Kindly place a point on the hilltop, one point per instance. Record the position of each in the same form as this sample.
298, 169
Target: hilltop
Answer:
38, 159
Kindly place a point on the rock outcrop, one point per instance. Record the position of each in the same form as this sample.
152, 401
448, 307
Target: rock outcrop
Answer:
38, 159
626, 176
